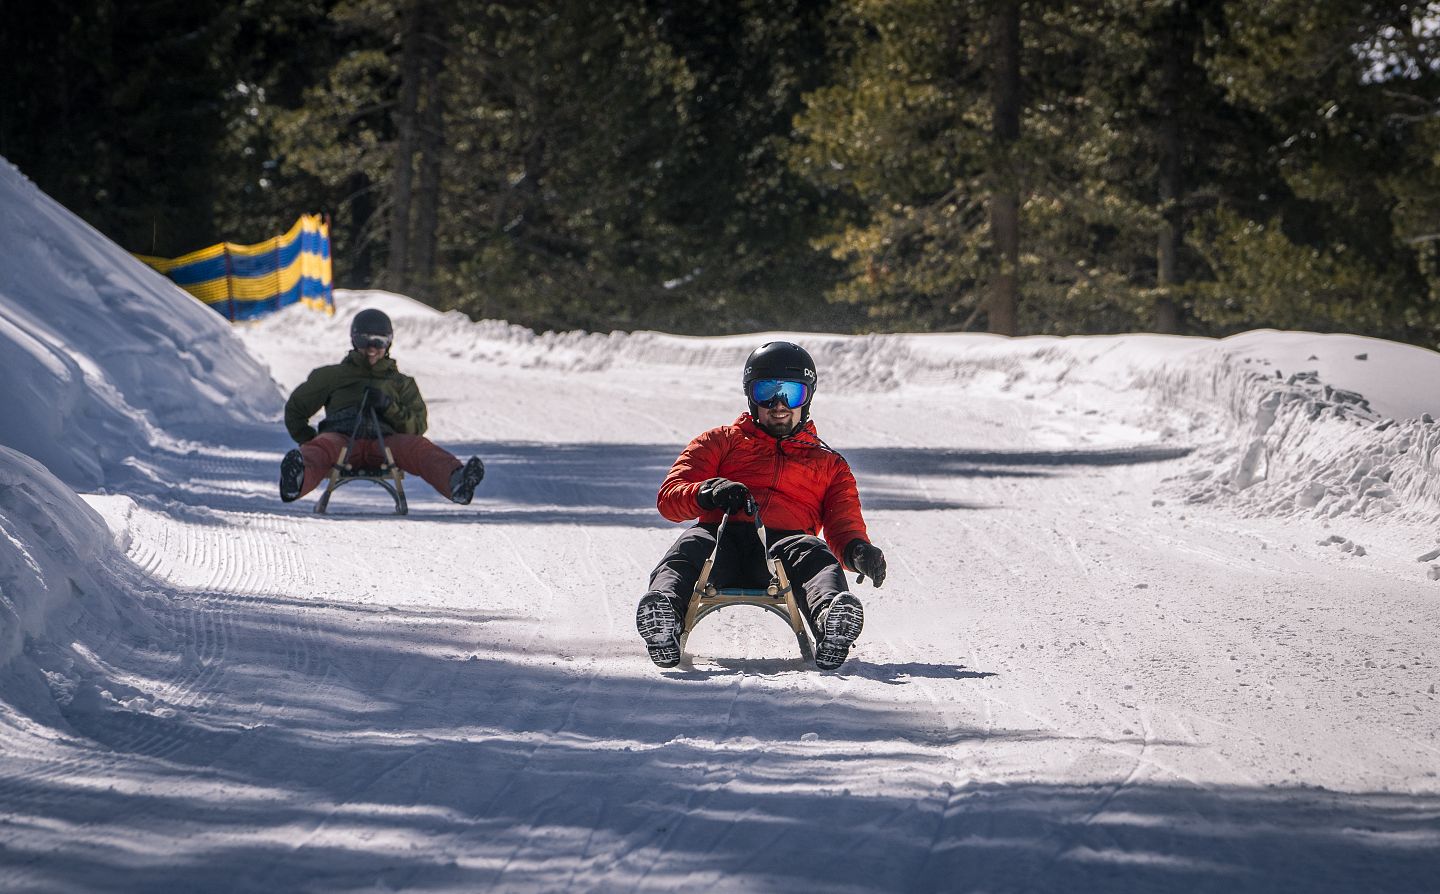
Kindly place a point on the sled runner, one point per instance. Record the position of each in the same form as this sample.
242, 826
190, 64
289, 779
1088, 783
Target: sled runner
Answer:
778, 597
387, 475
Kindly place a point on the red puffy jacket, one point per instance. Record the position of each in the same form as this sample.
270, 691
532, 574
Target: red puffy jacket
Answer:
798, 483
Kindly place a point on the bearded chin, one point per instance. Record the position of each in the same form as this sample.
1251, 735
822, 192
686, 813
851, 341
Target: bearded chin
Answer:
779, 430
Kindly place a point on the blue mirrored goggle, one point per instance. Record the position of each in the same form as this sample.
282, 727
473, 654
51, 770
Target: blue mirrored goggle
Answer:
768, 392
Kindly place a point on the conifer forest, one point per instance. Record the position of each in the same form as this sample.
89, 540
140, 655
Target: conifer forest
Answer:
713, 166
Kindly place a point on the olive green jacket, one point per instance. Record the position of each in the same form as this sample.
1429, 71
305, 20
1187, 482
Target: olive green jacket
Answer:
338, 389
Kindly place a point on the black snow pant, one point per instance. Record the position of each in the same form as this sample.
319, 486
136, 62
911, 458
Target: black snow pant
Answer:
813, 570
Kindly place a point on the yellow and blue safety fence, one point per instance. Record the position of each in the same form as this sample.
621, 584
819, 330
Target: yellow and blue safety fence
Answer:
248, 281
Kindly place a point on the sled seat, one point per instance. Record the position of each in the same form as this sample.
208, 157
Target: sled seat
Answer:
371, 472
778, 598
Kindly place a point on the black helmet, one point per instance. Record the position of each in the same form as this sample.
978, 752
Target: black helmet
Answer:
369, 326
780, 360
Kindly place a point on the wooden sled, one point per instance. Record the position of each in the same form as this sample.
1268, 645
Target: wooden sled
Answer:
778, 597
388, 475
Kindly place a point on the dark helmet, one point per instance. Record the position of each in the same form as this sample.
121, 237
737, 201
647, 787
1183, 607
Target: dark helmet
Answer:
780, 360
368, 325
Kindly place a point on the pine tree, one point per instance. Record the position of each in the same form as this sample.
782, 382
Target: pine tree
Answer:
1341, 85
91, 110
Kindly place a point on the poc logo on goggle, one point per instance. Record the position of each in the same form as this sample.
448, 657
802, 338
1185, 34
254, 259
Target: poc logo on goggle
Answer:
774, 392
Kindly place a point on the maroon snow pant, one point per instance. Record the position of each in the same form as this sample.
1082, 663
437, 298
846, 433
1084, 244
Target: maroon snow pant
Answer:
414, 454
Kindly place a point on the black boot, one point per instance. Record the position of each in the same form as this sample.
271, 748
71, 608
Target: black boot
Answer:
464, 479
292, 476
839, 627
659, 626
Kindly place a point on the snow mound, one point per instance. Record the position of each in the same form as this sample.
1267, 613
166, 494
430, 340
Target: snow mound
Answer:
104, 358
67, 593
1314, 425
847, 363
50, 546
421, 327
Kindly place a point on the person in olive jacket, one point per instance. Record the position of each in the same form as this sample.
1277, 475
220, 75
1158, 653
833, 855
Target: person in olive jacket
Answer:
770, 459
367, 376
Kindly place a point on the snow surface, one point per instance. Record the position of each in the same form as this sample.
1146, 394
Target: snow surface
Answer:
1157, 618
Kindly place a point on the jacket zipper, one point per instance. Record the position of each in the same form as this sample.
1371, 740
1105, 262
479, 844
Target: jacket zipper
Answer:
780, 453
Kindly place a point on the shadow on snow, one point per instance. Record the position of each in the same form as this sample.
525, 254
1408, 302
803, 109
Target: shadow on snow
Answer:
591, 483
330, 746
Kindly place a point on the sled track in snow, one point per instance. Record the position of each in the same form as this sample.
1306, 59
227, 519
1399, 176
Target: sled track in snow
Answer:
218, 569
230, 575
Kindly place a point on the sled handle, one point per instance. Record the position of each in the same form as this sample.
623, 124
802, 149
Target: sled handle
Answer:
759, 529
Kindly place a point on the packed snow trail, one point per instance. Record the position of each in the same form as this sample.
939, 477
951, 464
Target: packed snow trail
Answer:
1073, 679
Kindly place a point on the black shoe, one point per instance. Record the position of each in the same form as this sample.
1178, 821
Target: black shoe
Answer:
464, 479
292, 476
659, 626
839, 627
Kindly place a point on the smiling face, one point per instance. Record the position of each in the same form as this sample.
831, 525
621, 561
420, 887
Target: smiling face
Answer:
778, 420
778, 405
372, 346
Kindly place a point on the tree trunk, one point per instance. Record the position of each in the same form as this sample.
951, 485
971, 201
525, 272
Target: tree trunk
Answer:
1005, 192
359, 248
402, 177
1171, 172
432, 147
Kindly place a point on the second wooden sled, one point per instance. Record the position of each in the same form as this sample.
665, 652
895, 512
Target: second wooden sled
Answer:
388, 475
778, 597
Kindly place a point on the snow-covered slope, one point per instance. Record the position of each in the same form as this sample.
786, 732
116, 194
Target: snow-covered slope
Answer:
67, 597
50, 557
102, 357
1154, 621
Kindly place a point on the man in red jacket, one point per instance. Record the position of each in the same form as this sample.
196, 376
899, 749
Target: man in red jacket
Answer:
770, 458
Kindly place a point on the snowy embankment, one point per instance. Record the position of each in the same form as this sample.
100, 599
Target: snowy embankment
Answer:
1285, 423
1087, 670
52, 551
1321, 426
104, 359
108, 367
67, 595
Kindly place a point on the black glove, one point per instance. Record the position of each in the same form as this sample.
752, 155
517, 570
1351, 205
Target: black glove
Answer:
866, 559
376, 399
722, 493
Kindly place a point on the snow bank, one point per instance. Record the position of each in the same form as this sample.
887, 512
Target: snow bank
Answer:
67, 594
50, 547
1316, 425
867, 363
102, 357
1282, 423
